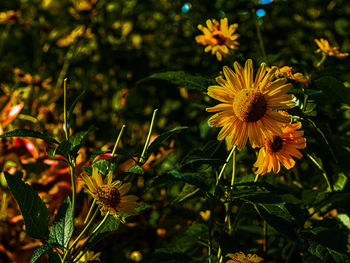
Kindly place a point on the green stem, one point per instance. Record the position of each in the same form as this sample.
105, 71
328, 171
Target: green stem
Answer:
233, 168
258, 31
225, 164
93, 232
265, 241
148, 136
322, 60
86, 227
117, 141
90, 211
66, 128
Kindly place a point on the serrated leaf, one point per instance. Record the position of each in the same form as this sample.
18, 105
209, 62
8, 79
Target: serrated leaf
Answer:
29, 133
136, 169
161, 138
42, 250
62, 226
110, 225
183, 79
35, 214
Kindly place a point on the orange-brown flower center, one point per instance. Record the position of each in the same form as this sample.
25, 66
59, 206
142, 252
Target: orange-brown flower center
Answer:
219, 37
108, 195
249, 105
275, 145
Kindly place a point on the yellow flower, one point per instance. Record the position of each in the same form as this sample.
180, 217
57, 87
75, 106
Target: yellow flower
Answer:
281, 149
110, 195
324, 47
287, 72
240, 257
218, 37
10, 16
249, 106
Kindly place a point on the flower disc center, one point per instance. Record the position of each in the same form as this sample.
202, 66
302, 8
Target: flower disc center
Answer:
276, 145
219, 37
108, 195
249, 105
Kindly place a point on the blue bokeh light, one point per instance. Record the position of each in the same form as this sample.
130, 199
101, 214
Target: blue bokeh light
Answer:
260, 12
186, 7
265, 2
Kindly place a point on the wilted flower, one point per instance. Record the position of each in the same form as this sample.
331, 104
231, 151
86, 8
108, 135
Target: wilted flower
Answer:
249, 107
324, 47
110, 195
219, 37
281, 149
240, 257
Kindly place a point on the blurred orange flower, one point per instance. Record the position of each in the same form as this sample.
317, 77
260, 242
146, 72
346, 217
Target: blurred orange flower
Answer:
281, 149
325, 48
219, 37
287, 72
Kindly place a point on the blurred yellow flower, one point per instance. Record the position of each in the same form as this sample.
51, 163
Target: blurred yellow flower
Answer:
281, 149
10, 16
249, 106
240, 257
110, 195
325, 48
218, 37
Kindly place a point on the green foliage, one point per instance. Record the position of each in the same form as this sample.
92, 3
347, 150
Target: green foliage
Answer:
62, 227
35, 214
29, 133
42, 250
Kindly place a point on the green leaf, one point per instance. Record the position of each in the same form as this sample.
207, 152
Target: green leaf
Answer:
186, 240
62, 226
333, 89
63, 149
35, 214
187, 191
161, 138
77, 99
183, 79
42, 250
275, 216
29, 133
136, 169
110, 225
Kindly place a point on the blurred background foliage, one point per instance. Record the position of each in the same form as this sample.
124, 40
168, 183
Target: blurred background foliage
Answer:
106, 48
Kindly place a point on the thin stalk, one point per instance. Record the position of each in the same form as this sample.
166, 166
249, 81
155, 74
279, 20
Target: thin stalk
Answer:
256, 178
322, 60
117, 141
219, 256
258, 32
93, 232
80, 235
90, 211
66, 128
148, 136
233, 167
225, 164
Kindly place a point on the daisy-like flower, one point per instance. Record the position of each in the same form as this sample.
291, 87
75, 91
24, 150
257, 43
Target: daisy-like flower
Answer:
281, 149
287, 72
240, 257
218, 37
249, 107
325, 48
110, 195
